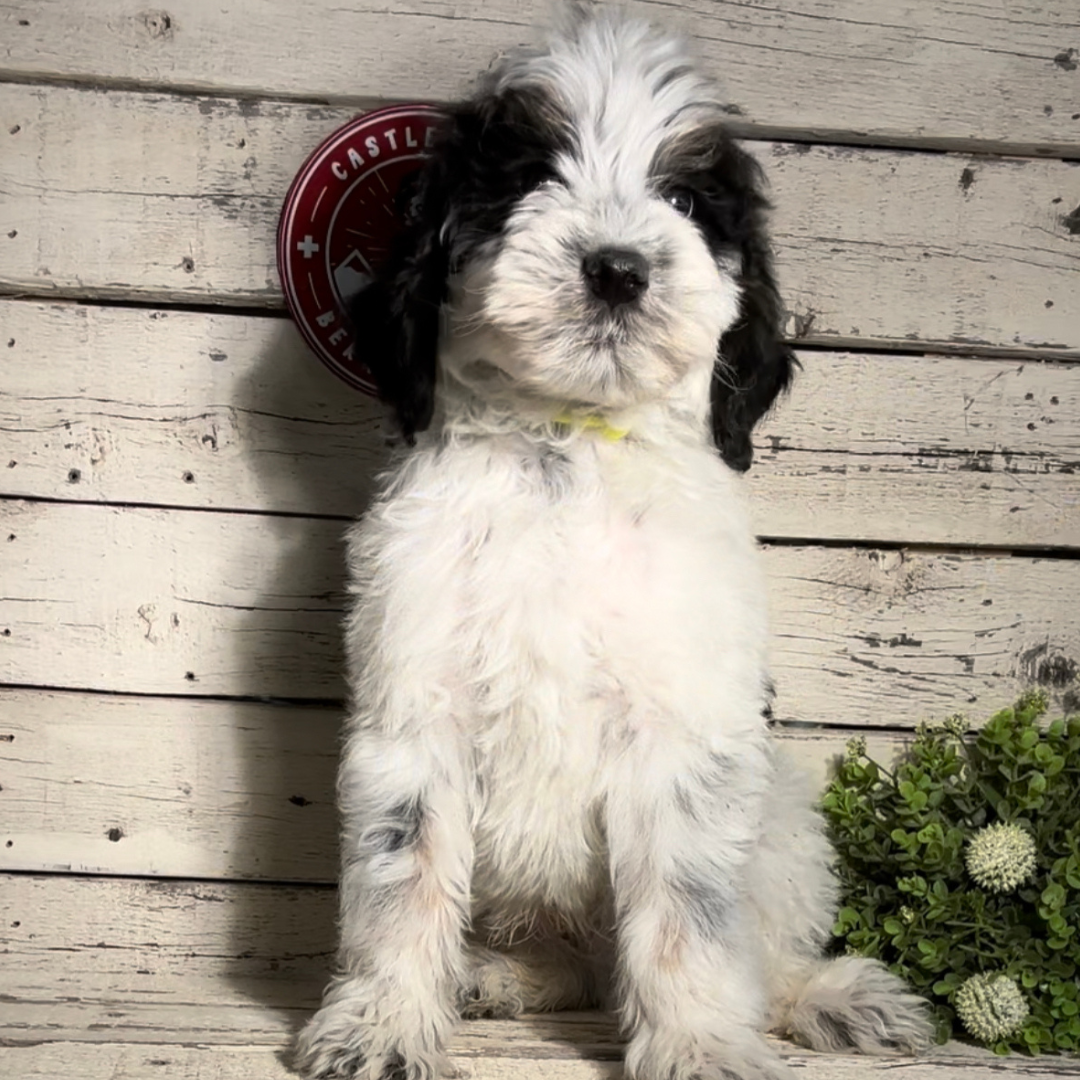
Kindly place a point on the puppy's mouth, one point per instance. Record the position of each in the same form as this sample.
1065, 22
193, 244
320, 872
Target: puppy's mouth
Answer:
610, 330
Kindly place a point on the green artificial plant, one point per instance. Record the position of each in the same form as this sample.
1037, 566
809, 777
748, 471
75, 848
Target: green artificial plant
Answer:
960, 869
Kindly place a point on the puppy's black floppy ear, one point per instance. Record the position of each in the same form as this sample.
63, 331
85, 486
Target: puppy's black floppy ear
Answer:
492, 150
753, 364
396, 317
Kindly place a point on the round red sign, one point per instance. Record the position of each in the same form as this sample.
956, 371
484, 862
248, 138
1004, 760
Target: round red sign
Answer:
340, 215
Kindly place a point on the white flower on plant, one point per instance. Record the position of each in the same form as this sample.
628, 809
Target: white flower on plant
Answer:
956, 725
1000, 857
856, 747
991, 1007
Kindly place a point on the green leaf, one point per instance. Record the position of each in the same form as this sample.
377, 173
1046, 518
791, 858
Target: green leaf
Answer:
1072, 871
1053, 896
847, 918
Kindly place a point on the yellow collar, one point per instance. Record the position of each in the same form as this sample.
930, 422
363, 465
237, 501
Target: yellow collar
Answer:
591, 422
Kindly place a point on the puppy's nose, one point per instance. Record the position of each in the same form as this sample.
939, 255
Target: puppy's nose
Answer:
616, 275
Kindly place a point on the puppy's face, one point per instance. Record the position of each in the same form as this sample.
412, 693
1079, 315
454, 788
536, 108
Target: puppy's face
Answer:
599, 240
610, 278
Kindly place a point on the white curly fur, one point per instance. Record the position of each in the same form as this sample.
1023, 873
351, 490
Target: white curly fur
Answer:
557, 785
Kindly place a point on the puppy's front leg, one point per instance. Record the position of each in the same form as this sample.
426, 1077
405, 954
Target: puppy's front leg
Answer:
682, 823
406, 867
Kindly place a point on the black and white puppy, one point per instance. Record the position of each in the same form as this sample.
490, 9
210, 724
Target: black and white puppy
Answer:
557, 786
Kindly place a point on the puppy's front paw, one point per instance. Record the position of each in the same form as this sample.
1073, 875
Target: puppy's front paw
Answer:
656, 1057
357, 1036
492, 989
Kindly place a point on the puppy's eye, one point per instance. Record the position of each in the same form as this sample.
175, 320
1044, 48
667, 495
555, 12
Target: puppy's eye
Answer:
681, 200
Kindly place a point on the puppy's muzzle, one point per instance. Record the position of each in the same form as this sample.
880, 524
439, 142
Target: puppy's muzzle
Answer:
616, 275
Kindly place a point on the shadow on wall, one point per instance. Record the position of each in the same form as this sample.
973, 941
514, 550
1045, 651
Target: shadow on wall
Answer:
315, 445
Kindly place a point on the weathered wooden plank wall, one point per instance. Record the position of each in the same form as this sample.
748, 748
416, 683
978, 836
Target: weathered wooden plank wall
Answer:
878, 247
258, 805
957, 74
222, 411
178, 470
249, 606
207, 977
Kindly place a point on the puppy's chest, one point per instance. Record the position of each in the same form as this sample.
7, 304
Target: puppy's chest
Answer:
565, 586
569, 611
582, 595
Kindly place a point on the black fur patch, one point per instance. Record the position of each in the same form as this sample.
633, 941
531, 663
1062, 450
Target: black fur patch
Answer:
729, 208
400, 829
494, 150
707, 903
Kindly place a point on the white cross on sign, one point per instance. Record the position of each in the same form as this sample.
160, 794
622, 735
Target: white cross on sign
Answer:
307, 246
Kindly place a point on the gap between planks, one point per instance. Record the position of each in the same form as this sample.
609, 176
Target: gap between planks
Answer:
223, 790
233, 412
129, 195
935, 74
240, 605
215, 967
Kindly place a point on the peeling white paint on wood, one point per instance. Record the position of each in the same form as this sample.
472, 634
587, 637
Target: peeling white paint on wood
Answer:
233, 412
928, 449
893, 637
199, 602
116, 942
179, 408
105, 784
954, 73
127, 195
162, 601
222, 789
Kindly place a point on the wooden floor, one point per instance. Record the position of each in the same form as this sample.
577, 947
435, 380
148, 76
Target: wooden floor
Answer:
178, 469
569, 1046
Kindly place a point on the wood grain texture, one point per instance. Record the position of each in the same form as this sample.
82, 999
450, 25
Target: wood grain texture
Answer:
956, 73
182, 965
179, 408
223, 789
892, 637
151, 197
232, 412
198, 602
157, 601
926, 449
499, 1059
118, 941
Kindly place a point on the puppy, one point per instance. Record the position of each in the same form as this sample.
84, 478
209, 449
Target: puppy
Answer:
557, 786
